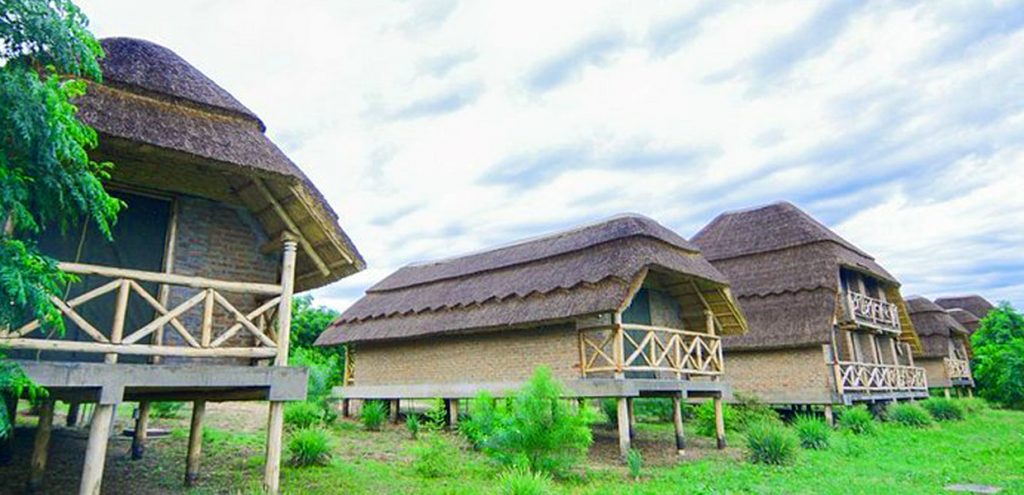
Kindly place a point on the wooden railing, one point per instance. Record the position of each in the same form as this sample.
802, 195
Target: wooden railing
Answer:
210, 339
870, 312
625, 348
868, 377
957, 368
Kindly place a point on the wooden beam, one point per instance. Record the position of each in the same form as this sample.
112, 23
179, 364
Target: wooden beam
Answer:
623, 423
138, 349
283, 214
170, 278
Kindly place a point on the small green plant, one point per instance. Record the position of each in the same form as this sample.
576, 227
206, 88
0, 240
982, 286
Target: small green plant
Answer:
309, 447
483, 419
943, 409
436, 415
610, 408
373, 414
653, 409
857, 420
813, 432
771, 443
412, 424
302, 414
750, 410
433, 456
166, 410
973, 405
704, 419
522, 481
909, 415
635, 462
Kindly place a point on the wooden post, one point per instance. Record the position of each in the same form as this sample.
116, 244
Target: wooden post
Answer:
910, 355
677, 420
72, 419
346, 408
206, 330
141, 434
719, 422
96, 450
945, 392
829, 417
393, 410
195, 443
453, 413
623, 421
632, 418
970, 392
275, 420
41, 448
120, 313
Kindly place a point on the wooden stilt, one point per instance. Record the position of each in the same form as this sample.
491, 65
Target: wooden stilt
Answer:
719, 422
41, 448
346, 408
632, 419
393, 411
72, 419
970, 392
829, 417
141, 434
195, 443
453, 413
677, 420
275, 415
7, 443
623, 420
272, 466
96, 451
945, 392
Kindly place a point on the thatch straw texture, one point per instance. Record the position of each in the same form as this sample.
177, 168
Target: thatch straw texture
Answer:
973, 303
571, 274
965, 318
934, 326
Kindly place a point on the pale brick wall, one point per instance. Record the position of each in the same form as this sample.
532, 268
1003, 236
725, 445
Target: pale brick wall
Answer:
936, 371
504, 356
785, 376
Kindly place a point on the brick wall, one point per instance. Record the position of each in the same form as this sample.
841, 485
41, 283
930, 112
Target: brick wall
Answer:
785, 376
490, 357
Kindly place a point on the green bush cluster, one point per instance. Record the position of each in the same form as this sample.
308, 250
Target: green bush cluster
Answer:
522, 481
433, 456
302, 414
412, 425
909, 415
943, 409
373, 414
812, 431
166, 409
857, 420
973, 405
634, 462
998, 361
309, 447
770, 442
745, 411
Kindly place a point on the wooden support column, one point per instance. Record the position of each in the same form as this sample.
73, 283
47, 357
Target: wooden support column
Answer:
346, 408
632, 418
829, 417
41, 448
623, 422
393, 411
96, 450
72, 418
141, 433
719, 423
453, 413
945, 392
970, 392
910, 355
275, 415
195, 443
677, 421
120, 313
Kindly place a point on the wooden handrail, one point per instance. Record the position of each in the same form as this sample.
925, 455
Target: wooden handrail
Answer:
957, 368
660, 349
855, 376
876, 313
172, 279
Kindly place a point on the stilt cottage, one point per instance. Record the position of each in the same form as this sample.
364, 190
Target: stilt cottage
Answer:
192, 299
624, 308
973, 303
945, 347
827, 322
965, 318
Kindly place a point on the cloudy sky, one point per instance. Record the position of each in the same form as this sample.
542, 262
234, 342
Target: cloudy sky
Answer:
441, 127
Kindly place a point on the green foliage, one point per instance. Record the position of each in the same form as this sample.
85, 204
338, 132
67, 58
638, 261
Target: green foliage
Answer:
909, 415
412, 424
814, 433
746, 411
769, 442
373, 414
973, 405
944, 409
998, 362
166, 409
610, 409
302, 415
308, 322
704, 418
857, 420
436, 415
482, 421
653, 409
634, 462
537, 428
522, 481
309, 447
432, 457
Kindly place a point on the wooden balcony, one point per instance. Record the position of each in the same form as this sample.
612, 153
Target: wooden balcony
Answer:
958, 369
670, 353
869, 312
856, 377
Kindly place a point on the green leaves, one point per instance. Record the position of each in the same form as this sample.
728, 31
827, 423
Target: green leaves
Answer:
998, 362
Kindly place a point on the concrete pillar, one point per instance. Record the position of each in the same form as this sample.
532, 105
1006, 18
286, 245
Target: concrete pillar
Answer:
96, 450
393, 411
41, 448
623, 421
141, 433
195, 443
677, 420
719, 422
829, 417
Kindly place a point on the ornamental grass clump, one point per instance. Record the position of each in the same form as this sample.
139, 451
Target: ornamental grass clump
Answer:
857, 420
373, 415
309, 447
412, 425
911, 415
522, 481
635, 462
814, 433
771, 443
943, 409
302, 414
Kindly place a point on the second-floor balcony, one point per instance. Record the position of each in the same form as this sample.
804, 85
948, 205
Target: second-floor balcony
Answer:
858, 377
958, 369
628, 350
869, 312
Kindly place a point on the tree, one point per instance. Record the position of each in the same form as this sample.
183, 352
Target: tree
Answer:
47, 179
998, 362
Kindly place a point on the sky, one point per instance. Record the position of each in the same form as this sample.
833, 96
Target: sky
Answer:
442, 127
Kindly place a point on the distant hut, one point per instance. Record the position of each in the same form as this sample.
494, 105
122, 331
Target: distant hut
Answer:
965, 318
945, 348
827, 322
195, 290
973, 303
623, 308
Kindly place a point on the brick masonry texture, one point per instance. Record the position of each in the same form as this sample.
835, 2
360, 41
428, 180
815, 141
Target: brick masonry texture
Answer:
785, 376
935, 368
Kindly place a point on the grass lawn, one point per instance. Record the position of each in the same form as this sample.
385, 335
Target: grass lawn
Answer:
986, 448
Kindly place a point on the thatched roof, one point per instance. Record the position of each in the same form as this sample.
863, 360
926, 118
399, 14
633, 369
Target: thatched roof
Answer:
783, 266
934, 326
169, 127
965, 318
580, 272
972, 303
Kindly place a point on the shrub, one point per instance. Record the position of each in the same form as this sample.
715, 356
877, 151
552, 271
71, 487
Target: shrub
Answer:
944, 409
635, 462
750, 410
771, 443
610, 408
973, 405
909, 415
309, 447
436, 415
302, 414
522, 481
166, 409
483, 419
813, 432
656, 409
434, 456
412, 423
857, 420
374, 414
998, 361
704, 418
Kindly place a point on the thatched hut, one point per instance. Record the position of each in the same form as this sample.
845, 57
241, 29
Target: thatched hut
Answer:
945, 347
622, 308
965, 318
827, 322
973, 303
220, 229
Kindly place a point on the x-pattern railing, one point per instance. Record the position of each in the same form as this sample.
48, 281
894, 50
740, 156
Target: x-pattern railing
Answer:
873, 312
630, 347
868, 377
957, 368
